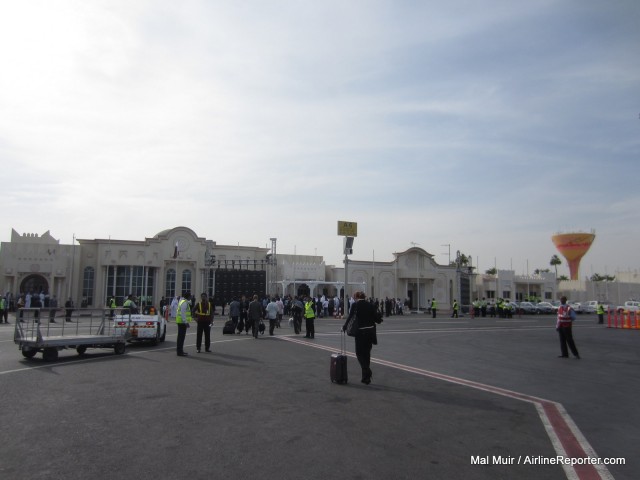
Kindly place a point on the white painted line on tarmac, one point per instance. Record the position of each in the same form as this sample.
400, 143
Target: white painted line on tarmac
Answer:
447, 323
564, 434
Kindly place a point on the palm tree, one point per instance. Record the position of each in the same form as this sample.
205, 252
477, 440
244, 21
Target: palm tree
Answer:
555, 261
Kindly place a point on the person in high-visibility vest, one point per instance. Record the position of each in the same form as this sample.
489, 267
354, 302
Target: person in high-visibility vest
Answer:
455, 309
600, 312
183, 320
310, 316
130, 304
434, 308
204, 319
111, 304
566, 315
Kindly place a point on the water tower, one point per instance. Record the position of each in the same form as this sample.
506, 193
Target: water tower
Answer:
573, 246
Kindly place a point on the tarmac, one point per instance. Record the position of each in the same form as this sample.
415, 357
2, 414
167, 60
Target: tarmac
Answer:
483, 398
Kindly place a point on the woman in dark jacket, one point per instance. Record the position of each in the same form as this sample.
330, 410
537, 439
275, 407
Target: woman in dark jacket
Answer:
366, 337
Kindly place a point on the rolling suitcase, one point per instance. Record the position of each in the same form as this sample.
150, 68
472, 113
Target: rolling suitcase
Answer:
229, 328
338, 368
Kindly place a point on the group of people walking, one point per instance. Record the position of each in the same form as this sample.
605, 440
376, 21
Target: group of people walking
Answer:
247, 315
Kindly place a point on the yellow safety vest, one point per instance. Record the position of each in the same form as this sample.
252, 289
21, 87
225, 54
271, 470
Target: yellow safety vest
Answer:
308, 310
179, 312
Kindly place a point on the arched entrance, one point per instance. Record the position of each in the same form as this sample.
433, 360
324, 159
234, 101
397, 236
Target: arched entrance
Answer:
303, 290
34, 284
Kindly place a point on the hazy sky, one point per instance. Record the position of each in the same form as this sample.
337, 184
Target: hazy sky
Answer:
487, 126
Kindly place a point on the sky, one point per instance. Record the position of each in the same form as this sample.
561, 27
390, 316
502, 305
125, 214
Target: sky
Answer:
479, 127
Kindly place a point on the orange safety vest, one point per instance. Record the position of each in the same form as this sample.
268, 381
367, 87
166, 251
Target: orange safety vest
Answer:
564, 316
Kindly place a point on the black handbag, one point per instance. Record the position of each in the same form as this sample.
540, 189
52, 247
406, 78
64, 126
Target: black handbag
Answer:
352, 324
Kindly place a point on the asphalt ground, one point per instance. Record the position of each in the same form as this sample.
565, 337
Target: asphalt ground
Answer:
447, 394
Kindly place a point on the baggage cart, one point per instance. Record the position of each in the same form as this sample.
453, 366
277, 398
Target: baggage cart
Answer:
36, 331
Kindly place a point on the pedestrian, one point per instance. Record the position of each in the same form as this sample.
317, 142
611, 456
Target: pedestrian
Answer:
204, 319
3, 307
244, 315
254, 315
68, 305
272, 315
455, 309
297, 307
53, 306
434, 308
183, 321
600, 312
173, 312
280, 305
366, 337
566, 316
234, 312
310, 317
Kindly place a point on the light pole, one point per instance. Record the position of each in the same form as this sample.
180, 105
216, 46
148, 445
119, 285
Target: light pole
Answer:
449, 253
417, 278
274, 260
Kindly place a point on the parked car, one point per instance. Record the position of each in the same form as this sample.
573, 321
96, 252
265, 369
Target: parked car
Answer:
528, 308
629, 306
577, 307
590, 306
546, 307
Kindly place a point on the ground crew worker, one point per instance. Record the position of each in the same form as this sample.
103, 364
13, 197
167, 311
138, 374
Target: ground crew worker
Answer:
3, 306
483, 307
183, 320
130, 304
476, 308
310, 316
111, 304
434, 307
507, 309
600, 312
204, 317
563, 325
455, 309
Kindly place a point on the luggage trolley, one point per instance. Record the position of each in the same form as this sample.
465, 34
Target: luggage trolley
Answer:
89, 328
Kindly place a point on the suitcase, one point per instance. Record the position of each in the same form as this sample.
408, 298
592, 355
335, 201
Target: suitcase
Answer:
338, 370
229, 328
240, 325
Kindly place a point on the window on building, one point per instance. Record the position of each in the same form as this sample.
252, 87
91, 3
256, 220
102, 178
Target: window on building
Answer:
506, 294
491, 294
548, 295
186, 281
88, 280
170, 283
130, 280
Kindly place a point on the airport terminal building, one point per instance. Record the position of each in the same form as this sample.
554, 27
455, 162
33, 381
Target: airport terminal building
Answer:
91, 270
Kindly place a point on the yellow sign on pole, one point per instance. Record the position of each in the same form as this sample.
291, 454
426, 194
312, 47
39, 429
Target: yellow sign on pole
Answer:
347, 229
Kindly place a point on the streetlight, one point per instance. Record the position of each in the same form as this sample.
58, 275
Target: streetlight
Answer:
274, 270
448, 245
417, 277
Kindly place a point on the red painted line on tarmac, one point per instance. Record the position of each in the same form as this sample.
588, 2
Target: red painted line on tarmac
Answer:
572, 443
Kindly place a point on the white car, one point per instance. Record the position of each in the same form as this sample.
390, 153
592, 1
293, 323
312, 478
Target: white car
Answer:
629, 306
577, 307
